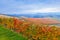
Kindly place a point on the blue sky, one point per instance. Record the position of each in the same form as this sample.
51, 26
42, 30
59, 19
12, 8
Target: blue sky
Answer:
29, 6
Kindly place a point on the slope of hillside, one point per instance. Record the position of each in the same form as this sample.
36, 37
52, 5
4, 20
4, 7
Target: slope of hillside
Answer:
28, 28
6, 34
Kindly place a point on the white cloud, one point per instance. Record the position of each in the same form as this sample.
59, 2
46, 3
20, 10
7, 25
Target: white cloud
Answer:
43, 10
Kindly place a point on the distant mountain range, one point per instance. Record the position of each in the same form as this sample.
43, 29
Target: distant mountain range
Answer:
37, 15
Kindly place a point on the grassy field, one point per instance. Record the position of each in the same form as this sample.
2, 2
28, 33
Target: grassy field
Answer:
6, 34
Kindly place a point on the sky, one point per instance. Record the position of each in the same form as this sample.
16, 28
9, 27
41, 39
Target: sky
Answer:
29, 6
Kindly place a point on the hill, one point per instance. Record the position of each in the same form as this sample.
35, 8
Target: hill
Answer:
43, 20
28, 28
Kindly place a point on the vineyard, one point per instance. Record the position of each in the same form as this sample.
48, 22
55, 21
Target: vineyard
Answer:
30, 30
